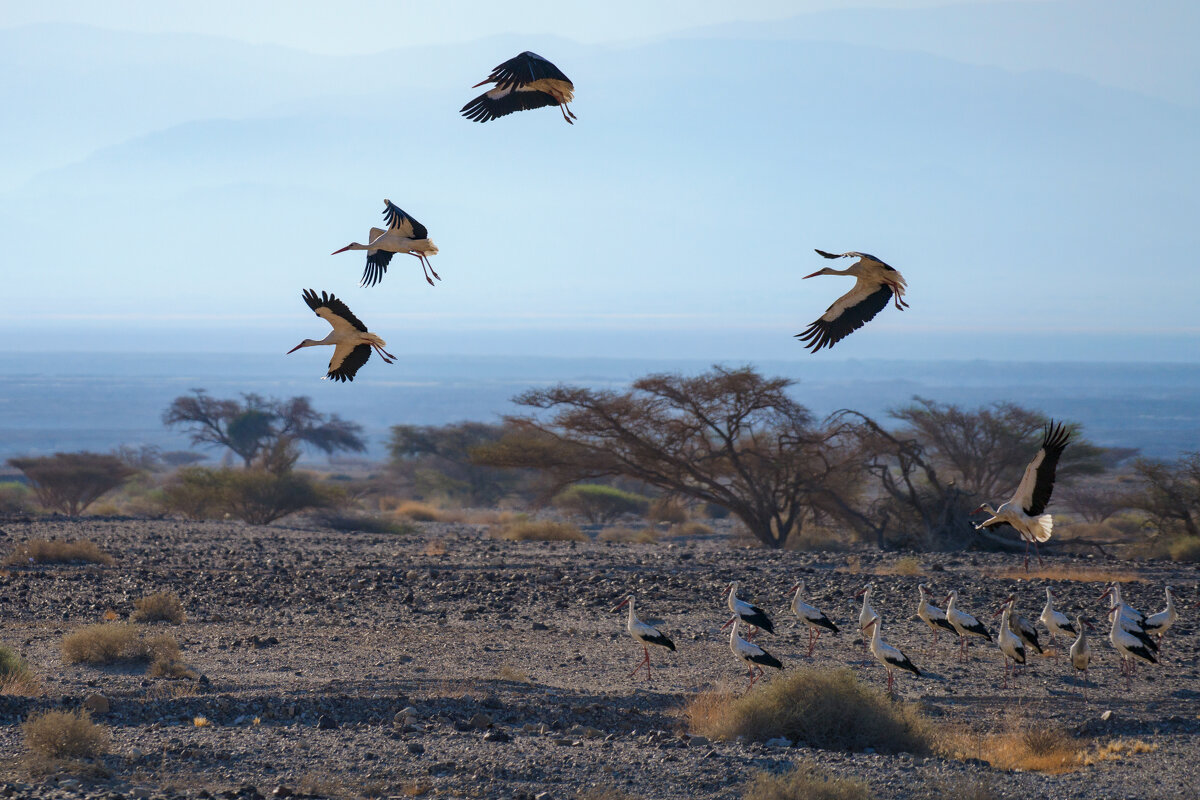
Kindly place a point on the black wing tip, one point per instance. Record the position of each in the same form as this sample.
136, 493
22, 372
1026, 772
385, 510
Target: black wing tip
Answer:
1056, 435
827, 255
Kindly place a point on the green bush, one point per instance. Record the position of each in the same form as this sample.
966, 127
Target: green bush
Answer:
15, 498
599, 503
254, 496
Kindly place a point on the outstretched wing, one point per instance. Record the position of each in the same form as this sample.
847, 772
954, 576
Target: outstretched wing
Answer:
377, 264
525, 69
499, 102
1037, 484
346, 360
848, 313
399, 221
858, 255
333, 311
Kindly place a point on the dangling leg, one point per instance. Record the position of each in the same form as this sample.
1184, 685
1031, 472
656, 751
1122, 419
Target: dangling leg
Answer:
1027, 555
1038, 554
563, 108
425, 260
421, 258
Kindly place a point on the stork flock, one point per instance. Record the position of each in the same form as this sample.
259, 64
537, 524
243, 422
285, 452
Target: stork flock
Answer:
1134, 636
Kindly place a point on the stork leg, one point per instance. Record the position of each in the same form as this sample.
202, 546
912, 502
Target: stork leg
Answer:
1085, 679
890, 679
1038, 554
1027, 555
424, 268
645, 662
563, 108
425, 259
812, 640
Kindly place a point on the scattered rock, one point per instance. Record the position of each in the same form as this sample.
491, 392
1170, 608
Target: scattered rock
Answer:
416, 748
496, 735
97, 704
481, 721
326, 723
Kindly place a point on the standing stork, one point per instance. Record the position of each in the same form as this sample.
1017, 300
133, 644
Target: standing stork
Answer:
1160, 623
1056, 623
755, 657
866, 614
811, 616
1024, 510
1010, 643
1131, 619
876, 284
1023, 628
404, 235
1081, 654
887, 655
964, 624
1130, 646
931, 615
752, 615
645, 634
352, 342
523, 82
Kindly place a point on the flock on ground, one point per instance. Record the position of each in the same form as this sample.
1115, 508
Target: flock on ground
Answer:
1134, 636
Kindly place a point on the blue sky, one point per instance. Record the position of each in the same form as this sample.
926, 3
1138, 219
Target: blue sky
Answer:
173, 174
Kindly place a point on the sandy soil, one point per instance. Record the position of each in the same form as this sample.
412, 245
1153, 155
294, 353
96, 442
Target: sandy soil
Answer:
313, 643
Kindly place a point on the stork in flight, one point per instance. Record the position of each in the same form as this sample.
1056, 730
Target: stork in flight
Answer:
404, 235
876, 284
1025, 510
352, 342
643, 634
523, 82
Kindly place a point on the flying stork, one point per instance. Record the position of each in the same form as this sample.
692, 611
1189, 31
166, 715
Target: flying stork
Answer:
645, 634
1081, 654
404, 235
931, 615
352, 342
964, 624
1024, 510
876, 284
523, 82
811, 616
752, 615
1056, 623
755, 657
1010, 643
887, 655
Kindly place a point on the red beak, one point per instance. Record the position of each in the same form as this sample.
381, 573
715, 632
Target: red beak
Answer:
976, 511
793, 589
621, 605
294, 349
815, 274
344, 249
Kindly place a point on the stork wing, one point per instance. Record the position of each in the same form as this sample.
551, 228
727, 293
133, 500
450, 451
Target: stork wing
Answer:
1033, 493
858, 255
498, 102
377, 264
525, 69
333, 311
849, 313
397, 220
347, 358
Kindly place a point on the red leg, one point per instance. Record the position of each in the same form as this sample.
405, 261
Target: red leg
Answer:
1038, 554
1027, 555
890, 679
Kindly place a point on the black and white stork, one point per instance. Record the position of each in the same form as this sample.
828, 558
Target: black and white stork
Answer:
1023, 628
964, 624
404, 235
754, 656
645, 634
752, 615
1056, 623
931, 615
352, 342
523, 82
866, 614
1025, 510
1010, 643
887, 655
1130, 646
876, 284
813, 617
1081, 653
1160, 623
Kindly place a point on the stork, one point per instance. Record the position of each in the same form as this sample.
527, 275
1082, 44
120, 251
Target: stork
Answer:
754, 656
1010, 643
645, 634
352, 342
752, 615
811, 616
1022, 627
521, 83
875, 285
931, 615
866, 614
1081, 654
1130, 646
964, 624
1131, 618
886, 654
1160, 623
404, 235
1024, 510
1056, 623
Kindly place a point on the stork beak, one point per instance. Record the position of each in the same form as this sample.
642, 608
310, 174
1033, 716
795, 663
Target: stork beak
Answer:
945, 599
731, 619
481, 83
978, 510
1107, 593
860, 592
620, 605
999, 611
793, 589
344, 249
294, 349
815, 274
867, 627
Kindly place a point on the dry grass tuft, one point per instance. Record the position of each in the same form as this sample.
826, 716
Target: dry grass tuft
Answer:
166, 661
53, 551
159, 607
542, 530
419, 512
201, 722
668, 510
692, 528
434, 547
1066, 573
628, 535
108, 643
1117, 749
64, 734
905, 565
16, 678
805, 782
509, 673
1029, 745
828, 709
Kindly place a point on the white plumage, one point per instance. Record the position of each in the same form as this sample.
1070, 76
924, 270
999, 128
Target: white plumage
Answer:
1055, 622
811, 616
876, 283
888, 655
964, 624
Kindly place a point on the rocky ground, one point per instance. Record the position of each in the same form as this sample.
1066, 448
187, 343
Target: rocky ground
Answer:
445, 663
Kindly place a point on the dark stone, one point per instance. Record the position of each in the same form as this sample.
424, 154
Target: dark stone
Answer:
326, 723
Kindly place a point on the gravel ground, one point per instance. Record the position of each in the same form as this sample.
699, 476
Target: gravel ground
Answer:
445, 663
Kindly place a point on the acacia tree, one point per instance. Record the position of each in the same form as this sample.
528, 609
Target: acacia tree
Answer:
437, 460
729, 437
1171, 493
263, 429
70, 482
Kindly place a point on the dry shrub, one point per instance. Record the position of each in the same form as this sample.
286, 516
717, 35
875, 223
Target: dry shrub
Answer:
54, 551
165, 659
667, 510
1066, 573
905, 565
509, 673
64, 734
542, 530
16, 678
15, 498
107, 643
419, 512
628, 535
1117, 749
1185, 548
805, 782
159, 607
825, 708
1030, 745
435, 547
201, 722
358, 522
690, 529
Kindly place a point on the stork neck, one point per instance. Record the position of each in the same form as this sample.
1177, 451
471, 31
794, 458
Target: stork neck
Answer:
632, 616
